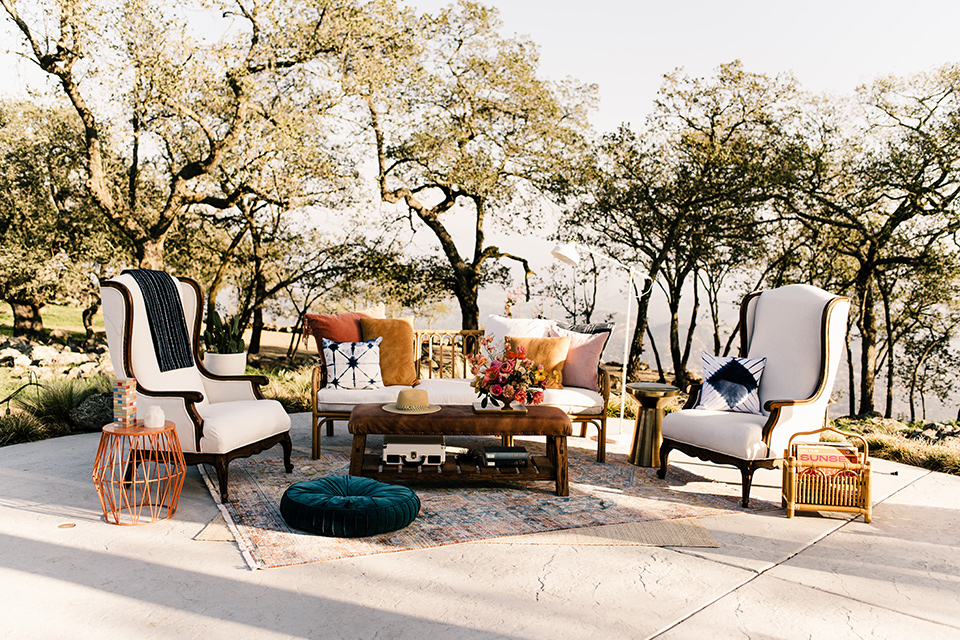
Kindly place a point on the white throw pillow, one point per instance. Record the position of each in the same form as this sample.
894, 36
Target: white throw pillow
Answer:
353, 365
731, 384
500, 327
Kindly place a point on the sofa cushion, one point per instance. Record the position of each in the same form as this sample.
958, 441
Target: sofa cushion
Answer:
583, 360
398, 362
500, 327
353, 365
339, 327
231, 425
571, 400
330, 399
551, 353
736, 434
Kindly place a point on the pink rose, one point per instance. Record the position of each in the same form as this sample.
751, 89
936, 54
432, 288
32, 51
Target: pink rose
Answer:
506, 367
496, 390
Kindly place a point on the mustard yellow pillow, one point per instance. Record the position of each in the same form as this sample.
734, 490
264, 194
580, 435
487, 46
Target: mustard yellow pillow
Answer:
397, 358
550, 352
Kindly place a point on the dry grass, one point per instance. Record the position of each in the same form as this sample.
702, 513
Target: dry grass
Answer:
887, 441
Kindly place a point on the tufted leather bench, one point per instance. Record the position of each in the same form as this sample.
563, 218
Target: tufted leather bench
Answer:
459, 420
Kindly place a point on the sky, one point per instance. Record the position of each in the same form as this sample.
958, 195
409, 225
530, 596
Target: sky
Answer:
626, 46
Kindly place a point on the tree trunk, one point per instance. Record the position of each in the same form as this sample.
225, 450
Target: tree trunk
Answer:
149, 253
656, 356
851, 374
88, 315
469, 309
636, 345
256, 331
868, 349
27, 322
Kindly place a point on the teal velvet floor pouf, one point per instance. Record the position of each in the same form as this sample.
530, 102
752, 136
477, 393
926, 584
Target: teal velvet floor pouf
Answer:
348, 506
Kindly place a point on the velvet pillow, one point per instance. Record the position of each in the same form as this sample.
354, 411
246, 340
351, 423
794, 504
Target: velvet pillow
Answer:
352, 365
398, 363
338, 327
550, 352
731, 384
583, 360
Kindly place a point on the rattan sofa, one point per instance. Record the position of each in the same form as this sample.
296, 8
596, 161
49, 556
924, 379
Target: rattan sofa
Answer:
444, 374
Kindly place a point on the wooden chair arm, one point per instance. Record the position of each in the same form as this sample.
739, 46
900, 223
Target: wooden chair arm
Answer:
188, 396
693, 395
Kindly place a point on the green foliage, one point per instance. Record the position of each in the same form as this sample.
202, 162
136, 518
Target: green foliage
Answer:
223, 337
19, 426
290, 387
52, 403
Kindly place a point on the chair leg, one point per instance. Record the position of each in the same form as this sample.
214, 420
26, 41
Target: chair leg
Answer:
583, 429
330, 427
664, 455
287, 445
601, 441
220, 465
746, 481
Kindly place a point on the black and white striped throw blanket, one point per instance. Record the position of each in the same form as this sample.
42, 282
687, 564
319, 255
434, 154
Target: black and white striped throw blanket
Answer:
168, 329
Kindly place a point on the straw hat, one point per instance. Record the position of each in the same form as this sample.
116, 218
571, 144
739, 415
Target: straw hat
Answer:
412, 402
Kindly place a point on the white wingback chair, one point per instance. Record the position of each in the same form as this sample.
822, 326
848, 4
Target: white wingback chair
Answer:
218, 418
800, 330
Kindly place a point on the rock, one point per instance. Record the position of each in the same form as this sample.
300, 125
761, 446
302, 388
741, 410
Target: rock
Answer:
94, 412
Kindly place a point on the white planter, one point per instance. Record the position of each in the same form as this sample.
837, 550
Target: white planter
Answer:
225, 364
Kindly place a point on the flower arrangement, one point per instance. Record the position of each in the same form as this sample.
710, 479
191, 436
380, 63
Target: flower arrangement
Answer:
507, 376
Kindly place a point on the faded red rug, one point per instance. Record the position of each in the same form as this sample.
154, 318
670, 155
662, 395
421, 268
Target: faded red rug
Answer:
600, 494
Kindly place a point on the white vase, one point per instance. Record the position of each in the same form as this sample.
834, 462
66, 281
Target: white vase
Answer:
225, 364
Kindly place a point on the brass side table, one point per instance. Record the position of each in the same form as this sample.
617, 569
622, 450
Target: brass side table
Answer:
139, 473
652, 396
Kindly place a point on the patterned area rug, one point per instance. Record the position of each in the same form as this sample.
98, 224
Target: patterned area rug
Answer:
600, 494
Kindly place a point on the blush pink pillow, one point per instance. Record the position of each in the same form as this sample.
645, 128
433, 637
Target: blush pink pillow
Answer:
583, 358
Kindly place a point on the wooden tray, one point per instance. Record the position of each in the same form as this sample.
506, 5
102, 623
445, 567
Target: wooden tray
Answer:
517, 409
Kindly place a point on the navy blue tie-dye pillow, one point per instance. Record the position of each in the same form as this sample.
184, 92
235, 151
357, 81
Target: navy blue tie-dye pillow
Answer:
353, 365
731, 384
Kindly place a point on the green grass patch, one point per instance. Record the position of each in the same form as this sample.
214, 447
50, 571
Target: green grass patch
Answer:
55, 316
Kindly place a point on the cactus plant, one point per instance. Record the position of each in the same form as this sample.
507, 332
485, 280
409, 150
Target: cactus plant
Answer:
223, 337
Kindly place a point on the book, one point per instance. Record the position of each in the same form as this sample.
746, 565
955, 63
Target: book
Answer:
504, 456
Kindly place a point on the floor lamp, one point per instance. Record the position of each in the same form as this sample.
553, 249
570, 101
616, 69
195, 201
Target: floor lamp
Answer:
567, 253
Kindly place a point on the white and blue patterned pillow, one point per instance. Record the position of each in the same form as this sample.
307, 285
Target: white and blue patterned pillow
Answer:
731, 384
353, 365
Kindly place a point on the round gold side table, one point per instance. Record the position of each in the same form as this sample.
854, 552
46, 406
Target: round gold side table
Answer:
138, 473
652, 396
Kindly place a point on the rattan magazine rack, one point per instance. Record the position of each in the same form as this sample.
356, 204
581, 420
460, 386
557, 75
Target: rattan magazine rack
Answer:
827, 476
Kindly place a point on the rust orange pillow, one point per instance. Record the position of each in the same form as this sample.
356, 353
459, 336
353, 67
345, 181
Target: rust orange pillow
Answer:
397, 358
338, 327
550, 352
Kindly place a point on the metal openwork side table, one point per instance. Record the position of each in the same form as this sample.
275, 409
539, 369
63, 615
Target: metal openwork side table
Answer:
652, 396
139, 473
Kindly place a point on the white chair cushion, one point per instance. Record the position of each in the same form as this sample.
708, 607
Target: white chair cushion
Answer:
736, 434
330, 399
231, 425
787, 332
458, 391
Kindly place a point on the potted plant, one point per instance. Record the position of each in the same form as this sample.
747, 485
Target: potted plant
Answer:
225, 355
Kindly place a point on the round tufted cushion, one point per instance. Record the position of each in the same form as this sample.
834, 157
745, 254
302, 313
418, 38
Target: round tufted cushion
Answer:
348, 506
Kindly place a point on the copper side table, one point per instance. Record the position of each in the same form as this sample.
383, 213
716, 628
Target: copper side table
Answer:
652, 396
138, 473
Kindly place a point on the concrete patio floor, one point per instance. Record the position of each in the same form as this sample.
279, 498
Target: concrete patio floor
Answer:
813, 576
